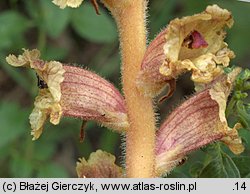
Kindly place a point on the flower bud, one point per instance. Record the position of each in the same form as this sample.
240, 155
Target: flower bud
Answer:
197, 122
71, 91
193, 43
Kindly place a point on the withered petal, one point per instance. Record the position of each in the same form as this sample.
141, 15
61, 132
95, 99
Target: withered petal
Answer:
45, 106
70, 3
99, 165
26, 59
54, 77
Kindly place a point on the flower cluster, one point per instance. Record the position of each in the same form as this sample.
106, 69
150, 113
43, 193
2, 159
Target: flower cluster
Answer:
194, 43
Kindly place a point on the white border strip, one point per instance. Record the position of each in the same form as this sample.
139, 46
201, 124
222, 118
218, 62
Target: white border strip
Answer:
124, 186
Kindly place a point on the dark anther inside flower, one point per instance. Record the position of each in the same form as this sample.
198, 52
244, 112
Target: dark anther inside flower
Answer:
195, 40
41, 84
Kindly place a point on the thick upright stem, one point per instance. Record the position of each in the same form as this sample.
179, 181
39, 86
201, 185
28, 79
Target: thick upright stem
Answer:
140, 137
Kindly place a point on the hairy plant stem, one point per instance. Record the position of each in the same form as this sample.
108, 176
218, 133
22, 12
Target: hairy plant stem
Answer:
140, 137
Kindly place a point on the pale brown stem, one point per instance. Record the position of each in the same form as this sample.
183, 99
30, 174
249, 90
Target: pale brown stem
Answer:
140, 137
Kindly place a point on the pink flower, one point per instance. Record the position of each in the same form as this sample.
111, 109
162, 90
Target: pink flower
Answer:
193, 43
197, 122
71, 91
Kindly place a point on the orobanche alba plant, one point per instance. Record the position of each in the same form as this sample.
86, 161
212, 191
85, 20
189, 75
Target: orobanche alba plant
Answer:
194, 44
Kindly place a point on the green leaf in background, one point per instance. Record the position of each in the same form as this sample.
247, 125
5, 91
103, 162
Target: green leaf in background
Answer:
20, 167
52, 170
95, 28
33, 10
14, 122
238, 106
12, 27
54, 53
242, 81
245, 135
27, 80
55, 19
44, 150
110, 68
160, 17
112, 139
240, 28
105, 62
195, 169
243, 163
243, 114
220, 165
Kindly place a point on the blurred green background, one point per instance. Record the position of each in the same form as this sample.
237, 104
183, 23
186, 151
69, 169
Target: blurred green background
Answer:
80, 36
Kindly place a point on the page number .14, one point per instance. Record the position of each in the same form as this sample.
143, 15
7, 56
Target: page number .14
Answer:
240, 186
